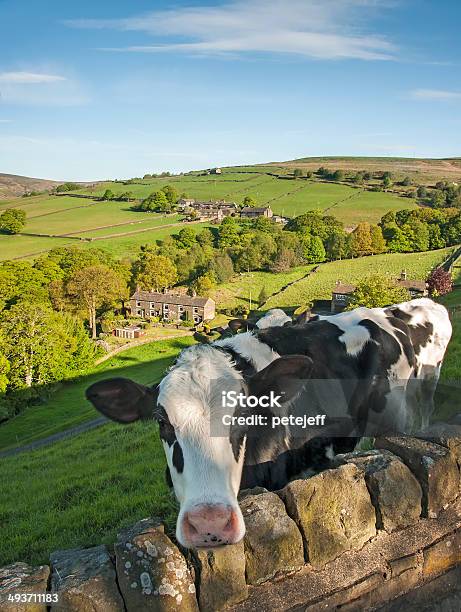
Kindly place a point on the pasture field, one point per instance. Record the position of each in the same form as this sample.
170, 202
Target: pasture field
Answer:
286, 197
451, 369
237, 291
128, 246
68, 407
87, 218
23, 246
320, 284
81, 491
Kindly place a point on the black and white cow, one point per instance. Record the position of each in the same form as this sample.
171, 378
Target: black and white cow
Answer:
366, 357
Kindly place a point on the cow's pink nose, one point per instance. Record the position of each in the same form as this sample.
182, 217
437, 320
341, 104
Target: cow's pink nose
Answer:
210, 525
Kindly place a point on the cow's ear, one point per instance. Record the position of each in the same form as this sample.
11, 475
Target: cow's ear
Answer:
123, 400
237, 324
285, 376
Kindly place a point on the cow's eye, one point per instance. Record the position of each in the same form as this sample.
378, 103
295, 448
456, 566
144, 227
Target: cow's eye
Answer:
166, 431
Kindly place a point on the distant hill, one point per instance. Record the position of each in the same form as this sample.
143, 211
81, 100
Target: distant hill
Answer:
426, 170
12, 185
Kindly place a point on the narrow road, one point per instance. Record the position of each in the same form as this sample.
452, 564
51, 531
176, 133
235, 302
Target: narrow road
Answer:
61, 435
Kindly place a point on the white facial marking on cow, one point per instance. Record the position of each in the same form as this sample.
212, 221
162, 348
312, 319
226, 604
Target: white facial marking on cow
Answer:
191, 396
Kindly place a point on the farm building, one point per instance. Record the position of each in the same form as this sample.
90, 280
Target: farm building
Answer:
131, 332
342, 292
172, 307
250, 212
211, 210
215, 171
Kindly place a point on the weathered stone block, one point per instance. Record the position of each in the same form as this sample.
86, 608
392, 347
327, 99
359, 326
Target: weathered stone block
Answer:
445, 434
152, 574
333, 511
443, 555
403, 564
221, 576
433, 465
273, 543
20, 578
395, 492
341, 598
84, 580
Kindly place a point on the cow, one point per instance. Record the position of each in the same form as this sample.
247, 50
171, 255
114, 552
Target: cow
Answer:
430, 332
362, 360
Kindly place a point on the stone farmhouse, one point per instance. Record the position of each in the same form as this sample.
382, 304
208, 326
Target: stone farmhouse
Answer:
209, 211
341, 293
250, 212
172, 306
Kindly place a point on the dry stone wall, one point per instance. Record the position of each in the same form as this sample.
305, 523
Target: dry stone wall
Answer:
376, 526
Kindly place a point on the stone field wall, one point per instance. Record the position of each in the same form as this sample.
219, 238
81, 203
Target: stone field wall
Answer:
378, 525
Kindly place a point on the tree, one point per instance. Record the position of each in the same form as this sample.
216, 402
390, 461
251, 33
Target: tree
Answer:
222, 268
421, 192
108, 195
185, 238
171, 194
205, 237
297, 172
249, 201
313, 249
439, 282
228, 233
284, 260
361, 240
436, 240
4, 367
387, 182
12, 221
438, 198
126, 196
255, 252
406, 181
155, 202
94, 287
43, 346
377, 291
418, 234
336, 246
156, 272
397, 240
338, 175
378, 244
263, 296
204, 284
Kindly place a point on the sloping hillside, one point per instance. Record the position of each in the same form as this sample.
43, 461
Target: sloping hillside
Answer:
423, 171
12, 185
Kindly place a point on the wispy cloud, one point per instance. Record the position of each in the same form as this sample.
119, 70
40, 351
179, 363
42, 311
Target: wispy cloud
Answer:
6, 120
29, 78
435, 94
41, 87
322, 29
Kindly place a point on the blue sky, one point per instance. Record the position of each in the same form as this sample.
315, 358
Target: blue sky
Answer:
112, 89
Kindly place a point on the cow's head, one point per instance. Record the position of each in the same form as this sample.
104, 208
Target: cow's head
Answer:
205, 469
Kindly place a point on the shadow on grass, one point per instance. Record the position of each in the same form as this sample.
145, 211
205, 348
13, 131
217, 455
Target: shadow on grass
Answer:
41, 411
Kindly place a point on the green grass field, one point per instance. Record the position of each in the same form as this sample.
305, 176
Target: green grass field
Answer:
87, 218
238, 290
320, 284
68, 407
81, 491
